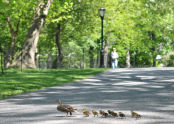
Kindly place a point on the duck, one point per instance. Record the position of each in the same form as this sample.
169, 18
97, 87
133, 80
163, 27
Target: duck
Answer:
114, 114
65, 108
135, 114
103, 114
121, 114
94, 112
86, 112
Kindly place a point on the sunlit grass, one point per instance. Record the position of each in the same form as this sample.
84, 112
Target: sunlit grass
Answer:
16, 82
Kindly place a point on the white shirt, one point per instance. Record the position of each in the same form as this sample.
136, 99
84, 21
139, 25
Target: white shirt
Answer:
114, 55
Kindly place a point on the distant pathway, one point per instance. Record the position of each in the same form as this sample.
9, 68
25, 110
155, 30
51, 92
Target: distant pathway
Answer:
148, 91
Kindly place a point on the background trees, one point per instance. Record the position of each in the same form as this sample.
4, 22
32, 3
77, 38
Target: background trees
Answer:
70, 35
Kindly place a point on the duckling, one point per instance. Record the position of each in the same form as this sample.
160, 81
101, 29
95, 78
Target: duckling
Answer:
94, 113
134, 114
122, 115
138, 116
106, 115
86, 112
114, 114
65, 108
103, 114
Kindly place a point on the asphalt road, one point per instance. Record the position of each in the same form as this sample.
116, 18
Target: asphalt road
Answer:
148, 91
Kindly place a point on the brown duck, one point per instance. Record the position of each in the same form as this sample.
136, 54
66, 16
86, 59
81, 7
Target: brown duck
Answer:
134, 114
94, 112
86, 112
65, 108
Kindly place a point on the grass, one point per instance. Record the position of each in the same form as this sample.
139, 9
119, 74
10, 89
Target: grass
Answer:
14, 82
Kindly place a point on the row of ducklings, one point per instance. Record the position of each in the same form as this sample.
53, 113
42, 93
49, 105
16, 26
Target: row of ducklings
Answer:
69, 109
109, 113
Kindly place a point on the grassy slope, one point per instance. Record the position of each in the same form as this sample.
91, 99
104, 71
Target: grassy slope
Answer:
15, 82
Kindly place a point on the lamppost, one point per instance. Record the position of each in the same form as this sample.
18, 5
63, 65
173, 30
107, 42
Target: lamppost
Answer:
101, 12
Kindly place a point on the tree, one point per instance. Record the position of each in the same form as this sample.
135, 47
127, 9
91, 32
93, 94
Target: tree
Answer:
29, 48
12, 18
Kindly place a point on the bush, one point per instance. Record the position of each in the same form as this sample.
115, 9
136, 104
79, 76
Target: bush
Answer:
171, 60
168, 60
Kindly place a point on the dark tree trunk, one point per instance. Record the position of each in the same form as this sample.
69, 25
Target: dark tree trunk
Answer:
153, 38
98, 58
128, 59
154, 57
1, 57
91, 56
27, 54
60, 53
11, 51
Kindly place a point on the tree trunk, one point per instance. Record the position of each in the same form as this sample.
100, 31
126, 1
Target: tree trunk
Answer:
10, 53
154, 57
49, 61
153, 37
60, 53
128, 59
106, 50
98, 58
135, 58
154, 61
37, 62
1, 54
83, 58
27, 54
91, 56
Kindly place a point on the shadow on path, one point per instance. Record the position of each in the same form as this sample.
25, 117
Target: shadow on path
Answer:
149, 91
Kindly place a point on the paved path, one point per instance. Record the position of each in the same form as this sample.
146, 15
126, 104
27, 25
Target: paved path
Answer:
149, 91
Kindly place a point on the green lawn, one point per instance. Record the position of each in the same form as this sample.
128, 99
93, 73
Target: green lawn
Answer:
15, 82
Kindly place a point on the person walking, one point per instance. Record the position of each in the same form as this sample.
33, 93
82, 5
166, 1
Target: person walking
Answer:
114, 57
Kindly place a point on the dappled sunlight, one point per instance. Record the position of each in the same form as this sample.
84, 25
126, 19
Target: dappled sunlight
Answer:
95, 84
154, 86
146, 77
167, 108
129, 83
92, 80
149, 95
142, 89
126, 73
165, 94
68, 87
167, 80
36, 98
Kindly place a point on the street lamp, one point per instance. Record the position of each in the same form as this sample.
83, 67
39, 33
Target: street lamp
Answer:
101, 12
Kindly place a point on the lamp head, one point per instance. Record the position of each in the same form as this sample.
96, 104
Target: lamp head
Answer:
101, 12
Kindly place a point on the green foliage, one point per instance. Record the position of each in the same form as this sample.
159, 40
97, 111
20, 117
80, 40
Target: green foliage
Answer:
168, 59
19, 12
131, 23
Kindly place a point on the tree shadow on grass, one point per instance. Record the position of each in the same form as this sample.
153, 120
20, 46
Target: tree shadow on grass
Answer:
147, 91
30, 80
